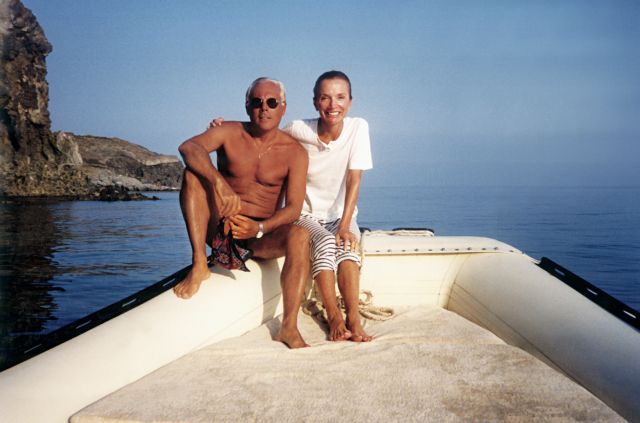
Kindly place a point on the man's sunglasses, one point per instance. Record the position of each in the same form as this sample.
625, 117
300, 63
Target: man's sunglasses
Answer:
256, 103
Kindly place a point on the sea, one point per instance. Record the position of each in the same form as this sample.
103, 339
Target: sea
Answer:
61, 260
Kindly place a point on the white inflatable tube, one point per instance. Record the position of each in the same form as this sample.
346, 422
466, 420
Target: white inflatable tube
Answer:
50, 387
529, 308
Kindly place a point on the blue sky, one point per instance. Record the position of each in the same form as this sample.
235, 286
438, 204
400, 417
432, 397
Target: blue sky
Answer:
455, 92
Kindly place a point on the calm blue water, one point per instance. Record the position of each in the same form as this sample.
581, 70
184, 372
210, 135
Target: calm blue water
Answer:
62, 260
594, 232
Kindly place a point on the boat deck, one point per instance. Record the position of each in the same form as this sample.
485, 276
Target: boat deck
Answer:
425, 364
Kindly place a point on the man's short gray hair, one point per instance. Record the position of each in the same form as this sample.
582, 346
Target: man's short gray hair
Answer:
283, 93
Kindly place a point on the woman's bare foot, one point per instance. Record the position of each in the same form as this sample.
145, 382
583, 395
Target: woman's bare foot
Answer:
357, 331
291, 338
191, 284
337, 329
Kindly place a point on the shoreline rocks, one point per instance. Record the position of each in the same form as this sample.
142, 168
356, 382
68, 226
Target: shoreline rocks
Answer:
116, 162
36, 163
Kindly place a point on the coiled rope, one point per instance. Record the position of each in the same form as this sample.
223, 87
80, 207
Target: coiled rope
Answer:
314, 308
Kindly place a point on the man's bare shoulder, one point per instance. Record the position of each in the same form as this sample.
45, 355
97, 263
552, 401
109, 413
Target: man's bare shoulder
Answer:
215, 137
296, 156
292, 144
288, 140
231, 127
224, 133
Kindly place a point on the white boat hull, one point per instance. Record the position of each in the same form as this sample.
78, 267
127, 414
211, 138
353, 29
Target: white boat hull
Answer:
486, 281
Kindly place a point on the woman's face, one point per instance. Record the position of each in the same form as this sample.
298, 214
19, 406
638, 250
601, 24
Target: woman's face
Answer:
333, 101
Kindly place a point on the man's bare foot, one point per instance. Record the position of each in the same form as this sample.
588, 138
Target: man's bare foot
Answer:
191, 284
357, 331
291, 338
337, 329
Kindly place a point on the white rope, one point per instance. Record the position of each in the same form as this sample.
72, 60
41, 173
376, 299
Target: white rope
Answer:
401, 232
314, 308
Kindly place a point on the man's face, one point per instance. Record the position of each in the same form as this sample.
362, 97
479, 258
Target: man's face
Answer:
265, 107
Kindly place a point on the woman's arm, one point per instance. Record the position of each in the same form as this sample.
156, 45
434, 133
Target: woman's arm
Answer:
354, 177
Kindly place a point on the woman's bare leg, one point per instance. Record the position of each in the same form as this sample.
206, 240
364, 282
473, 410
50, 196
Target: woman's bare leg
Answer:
325, 282
349, 285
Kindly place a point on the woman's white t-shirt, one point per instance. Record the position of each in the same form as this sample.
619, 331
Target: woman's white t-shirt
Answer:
329, 163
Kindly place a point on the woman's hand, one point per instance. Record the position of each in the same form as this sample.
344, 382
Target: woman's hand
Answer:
216, 122
348, 238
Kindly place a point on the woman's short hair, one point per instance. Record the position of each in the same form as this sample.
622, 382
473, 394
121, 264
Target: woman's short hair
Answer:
334, 74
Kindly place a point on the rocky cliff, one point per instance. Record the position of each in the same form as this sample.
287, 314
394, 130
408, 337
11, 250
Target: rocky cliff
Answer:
29, 162
36, 162
112, 161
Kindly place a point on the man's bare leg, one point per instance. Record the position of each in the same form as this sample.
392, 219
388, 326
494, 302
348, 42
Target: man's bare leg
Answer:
325, 281
292, 280
349, 285
196, 210
293, 242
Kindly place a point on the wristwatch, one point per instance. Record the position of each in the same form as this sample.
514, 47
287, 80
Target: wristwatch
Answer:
260, 230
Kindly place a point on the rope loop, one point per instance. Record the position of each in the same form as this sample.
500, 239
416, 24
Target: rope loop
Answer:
313, 307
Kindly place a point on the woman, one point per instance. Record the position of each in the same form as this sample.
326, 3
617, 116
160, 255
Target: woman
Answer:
339, 151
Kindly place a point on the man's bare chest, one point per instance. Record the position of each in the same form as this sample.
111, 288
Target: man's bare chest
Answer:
267, 167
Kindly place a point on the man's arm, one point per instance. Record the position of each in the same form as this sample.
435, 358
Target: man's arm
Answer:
295, 186
354, 177
195, 153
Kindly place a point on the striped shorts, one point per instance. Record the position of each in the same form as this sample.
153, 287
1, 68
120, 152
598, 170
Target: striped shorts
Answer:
325, 254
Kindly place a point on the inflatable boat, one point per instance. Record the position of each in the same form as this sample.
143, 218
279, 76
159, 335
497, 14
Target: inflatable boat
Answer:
530, 324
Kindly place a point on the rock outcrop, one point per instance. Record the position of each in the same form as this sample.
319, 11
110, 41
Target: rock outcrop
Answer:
29, 162
35, 162
115, 162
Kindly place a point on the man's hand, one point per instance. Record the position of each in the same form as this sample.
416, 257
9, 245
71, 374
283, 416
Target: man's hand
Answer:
229, 201
243, 227
349, 239
216, 122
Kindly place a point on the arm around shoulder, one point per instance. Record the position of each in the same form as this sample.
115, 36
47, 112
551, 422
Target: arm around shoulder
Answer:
360, 157
297, 181
210, 140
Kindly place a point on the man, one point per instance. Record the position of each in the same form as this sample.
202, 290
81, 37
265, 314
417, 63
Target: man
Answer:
258, 166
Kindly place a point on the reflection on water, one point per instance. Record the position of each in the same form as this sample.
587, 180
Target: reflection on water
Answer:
29, 237
60, 261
